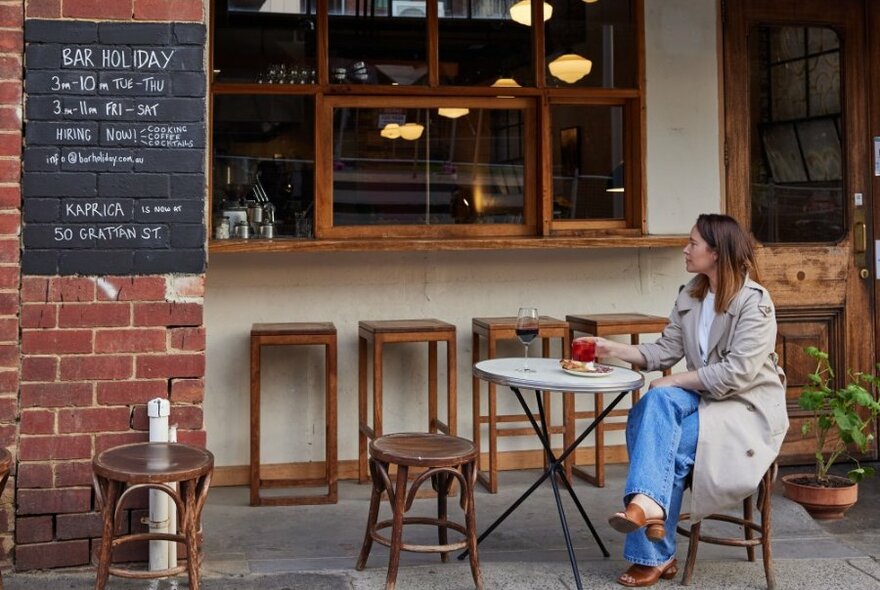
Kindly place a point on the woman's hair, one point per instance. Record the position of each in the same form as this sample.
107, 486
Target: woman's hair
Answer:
736, 258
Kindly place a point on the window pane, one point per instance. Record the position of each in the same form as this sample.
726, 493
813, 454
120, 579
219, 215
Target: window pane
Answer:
253, 46
479, 44
796, 156
588, 166
596, 41
381, 42
263, 145
399, 166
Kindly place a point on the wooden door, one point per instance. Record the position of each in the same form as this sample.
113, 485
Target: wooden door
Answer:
798, 160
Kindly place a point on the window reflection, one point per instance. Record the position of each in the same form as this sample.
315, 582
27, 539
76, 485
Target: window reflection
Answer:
263, 153
588, 163
409, 166
796, 161
601, 33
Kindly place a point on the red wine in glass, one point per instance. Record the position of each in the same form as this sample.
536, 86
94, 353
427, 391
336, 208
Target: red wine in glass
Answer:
526, 329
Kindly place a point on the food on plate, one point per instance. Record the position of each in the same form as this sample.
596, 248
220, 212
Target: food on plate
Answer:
582, 367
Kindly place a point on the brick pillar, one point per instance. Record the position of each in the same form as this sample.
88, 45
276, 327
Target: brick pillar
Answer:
11, 46
92, 350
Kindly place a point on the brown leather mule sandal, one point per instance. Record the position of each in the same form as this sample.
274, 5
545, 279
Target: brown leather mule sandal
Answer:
638, 576
633, 518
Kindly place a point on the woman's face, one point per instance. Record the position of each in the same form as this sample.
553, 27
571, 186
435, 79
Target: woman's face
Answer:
698, 256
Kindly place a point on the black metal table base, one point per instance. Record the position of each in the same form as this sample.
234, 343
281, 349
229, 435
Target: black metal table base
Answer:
555, 466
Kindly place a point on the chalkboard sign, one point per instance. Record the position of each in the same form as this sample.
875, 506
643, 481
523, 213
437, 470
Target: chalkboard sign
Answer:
114, 158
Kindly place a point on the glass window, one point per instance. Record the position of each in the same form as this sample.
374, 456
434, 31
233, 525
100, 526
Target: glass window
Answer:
264, 156
480, 43
591, 44
796, 157
255, 46
588, 162
428, 166
378, 42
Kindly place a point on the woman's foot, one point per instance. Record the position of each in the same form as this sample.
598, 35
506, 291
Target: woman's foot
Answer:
638, 576
639, 514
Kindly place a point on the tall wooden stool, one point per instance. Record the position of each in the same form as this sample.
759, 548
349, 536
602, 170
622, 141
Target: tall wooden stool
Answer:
609, 324
5, 468
121, 471
761, 499
295, 334
380, 333
446, 459
493, 330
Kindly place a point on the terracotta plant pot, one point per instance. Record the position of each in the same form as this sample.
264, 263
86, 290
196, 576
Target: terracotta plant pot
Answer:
823, 503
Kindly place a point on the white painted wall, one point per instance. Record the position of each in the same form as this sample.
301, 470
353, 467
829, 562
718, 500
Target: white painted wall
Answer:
242, 289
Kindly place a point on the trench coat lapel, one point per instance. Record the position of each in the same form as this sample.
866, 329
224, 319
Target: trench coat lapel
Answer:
720, 326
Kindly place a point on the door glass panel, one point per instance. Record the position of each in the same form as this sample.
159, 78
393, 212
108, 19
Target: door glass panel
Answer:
588, 165
408, 166
264, 152
797, 165
378, 42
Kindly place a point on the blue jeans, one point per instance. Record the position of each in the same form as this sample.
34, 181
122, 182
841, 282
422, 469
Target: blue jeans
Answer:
661, 438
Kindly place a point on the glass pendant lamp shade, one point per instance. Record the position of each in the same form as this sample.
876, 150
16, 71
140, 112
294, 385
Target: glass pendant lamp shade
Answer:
411, 131
505, 83
390, 131
521, 12
570, 67
453, 112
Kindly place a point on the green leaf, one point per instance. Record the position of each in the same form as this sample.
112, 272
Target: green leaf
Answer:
857, 475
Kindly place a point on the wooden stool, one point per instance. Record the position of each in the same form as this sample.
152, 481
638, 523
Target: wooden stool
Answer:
762, 500
380, 333
493, 330
610, 324
153, 466
446, 459
295, 334
5, 468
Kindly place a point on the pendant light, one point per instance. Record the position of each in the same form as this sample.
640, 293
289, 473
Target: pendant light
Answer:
453, 112
411, 131
521, 12
390, 131
570, 67
505, 83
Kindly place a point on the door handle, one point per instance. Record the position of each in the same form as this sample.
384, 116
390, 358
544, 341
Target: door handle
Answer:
860, 238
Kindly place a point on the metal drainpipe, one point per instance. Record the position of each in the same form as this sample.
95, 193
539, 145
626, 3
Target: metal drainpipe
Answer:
172, 508
158, 410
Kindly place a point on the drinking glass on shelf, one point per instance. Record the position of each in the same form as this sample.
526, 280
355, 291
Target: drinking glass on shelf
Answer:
526, 330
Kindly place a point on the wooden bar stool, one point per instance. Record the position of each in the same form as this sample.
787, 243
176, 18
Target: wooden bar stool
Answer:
761, 499
604, 325
445, 459
295, 334
121, 471
493, 330
5, 468
380, 333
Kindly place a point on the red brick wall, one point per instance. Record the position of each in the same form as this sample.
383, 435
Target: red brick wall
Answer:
81, 356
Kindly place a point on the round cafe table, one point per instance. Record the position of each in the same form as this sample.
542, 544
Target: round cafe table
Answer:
547, 375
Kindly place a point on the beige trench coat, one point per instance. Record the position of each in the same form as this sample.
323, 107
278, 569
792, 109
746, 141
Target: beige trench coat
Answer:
743, 418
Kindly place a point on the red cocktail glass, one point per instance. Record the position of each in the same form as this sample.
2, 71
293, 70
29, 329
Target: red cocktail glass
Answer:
583, 350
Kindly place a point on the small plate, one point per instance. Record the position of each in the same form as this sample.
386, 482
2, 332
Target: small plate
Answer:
602, 371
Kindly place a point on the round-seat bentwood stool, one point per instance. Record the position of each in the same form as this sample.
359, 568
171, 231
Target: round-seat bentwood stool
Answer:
762, 501
445, 459
5, 468
121, 471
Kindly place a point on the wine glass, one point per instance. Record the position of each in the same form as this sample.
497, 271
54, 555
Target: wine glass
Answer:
526, 330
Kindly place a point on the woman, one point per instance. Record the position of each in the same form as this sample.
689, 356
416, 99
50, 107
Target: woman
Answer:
724, 418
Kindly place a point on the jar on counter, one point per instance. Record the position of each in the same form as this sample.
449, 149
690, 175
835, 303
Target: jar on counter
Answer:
222, 231
242, 230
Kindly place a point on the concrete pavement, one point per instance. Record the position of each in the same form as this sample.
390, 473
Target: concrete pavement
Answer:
315, 547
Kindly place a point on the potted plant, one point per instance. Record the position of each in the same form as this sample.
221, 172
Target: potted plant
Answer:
840, 421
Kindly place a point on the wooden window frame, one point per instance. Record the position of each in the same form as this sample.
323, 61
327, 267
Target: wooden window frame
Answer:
538, 229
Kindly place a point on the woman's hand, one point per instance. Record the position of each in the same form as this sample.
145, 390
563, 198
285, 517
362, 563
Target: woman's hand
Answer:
604, 347
664, 381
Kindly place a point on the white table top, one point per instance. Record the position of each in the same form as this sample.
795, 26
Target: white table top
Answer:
549, 376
